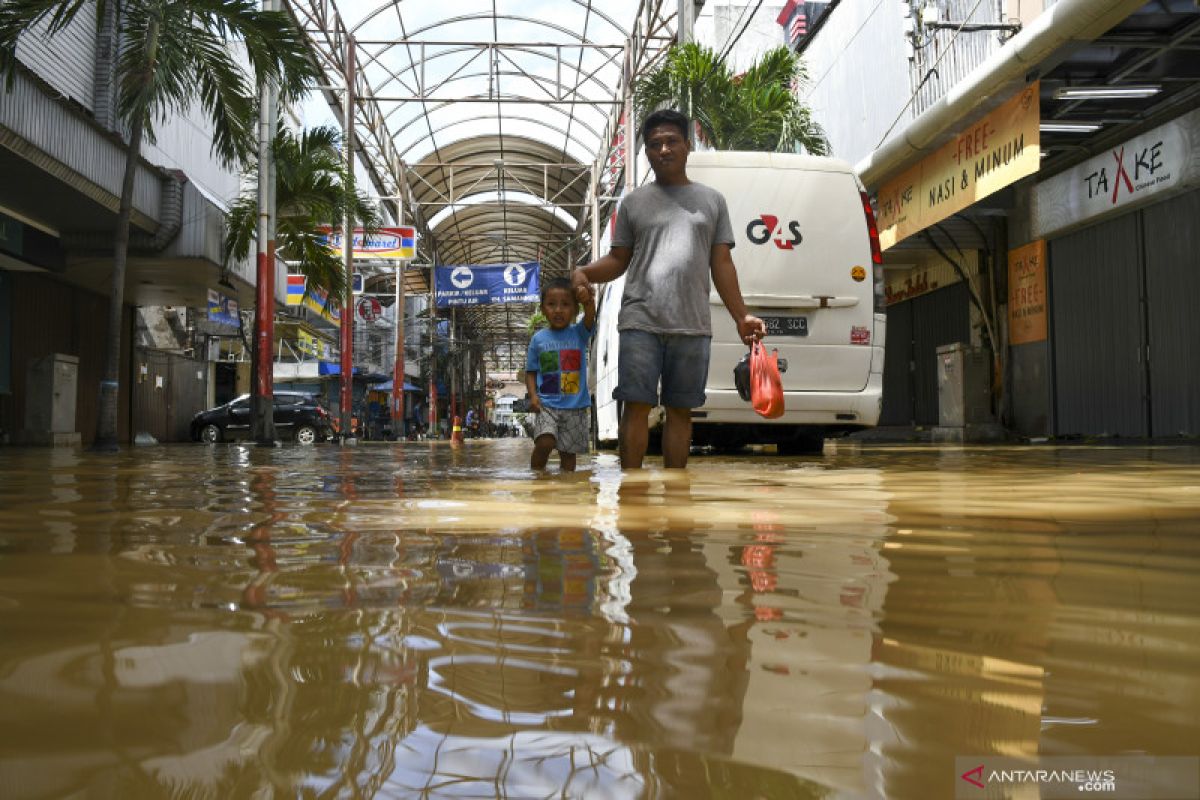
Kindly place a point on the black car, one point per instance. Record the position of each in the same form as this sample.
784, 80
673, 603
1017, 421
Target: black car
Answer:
298, 416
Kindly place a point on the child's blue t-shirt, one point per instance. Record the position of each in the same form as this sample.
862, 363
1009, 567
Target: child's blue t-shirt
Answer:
560, 360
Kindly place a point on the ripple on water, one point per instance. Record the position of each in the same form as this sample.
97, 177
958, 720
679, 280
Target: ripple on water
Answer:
228, 620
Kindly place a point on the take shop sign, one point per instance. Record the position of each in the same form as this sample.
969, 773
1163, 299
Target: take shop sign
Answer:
1130, 174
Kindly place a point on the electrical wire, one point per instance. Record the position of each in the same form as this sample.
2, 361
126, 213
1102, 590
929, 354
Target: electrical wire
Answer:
913, 96
729, 48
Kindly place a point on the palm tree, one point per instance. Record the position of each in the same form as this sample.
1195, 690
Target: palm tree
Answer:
757, 110
312, 189
175, 54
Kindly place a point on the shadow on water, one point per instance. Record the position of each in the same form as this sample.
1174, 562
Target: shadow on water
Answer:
415, 620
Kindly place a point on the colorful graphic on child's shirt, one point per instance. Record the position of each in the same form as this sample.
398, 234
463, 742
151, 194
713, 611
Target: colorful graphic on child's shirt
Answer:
569, 360
559, 371
559, 360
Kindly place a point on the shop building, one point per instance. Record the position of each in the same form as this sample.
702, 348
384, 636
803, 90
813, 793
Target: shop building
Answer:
62, 155
1034, 173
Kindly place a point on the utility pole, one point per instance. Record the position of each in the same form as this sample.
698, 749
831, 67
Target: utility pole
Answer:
262, 408
687, 16
346, 400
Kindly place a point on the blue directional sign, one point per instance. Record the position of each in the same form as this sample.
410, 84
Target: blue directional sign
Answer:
487, 283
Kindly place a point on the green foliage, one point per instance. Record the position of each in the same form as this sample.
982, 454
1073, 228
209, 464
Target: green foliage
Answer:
757, 110
176, 53
537, 321
312, 189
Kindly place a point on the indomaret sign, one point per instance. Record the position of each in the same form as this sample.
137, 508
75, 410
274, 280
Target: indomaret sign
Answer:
999, 149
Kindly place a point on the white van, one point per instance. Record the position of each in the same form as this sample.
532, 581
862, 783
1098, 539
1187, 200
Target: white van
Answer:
809, 264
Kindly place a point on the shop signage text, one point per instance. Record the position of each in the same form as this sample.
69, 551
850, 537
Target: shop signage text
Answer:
999, 149
1124, 176
912, 285
486, 284
1027, 293
223, 309
385, 243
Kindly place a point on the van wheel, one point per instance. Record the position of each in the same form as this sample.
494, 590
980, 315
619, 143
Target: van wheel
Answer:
802, 444
306, 434
210, 434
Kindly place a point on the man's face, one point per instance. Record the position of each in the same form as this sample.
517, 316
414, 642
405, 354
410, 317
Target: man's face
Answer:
667, 149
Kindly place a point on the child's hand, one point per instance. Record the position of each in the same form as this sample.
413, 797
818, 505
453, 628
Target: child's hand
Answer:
535, 405
583, 293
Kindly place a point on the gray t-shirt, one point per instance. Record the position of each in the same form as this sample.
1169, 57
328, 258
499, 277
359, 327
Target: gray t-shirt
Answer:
672, 230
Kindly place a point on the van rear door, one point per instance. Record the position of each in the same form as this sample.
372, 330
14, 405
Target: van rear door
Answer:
803, 259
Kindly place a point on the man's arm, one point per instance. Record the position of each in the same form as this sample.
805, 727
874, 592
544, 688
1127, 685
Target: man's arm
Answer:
604, 269
724, 276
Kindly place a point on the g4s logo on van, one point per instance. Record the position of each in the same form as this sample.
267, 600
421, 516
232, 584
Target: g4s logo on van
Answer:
768, 227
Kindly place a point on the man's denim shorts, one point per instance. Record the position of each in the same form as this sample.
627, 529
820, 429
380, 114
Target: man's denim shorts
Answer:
680, 362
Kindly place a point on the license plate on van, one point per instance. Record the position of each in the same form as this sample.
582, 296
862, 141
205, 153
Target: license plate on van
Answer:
786, 326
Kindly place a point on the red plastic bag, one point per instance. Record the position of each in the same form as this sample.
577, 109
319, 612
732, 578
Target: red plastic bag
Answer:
766, 387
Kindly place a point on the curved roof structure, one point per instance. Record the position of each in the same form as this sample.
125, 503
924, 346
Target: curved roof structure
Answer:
494, 126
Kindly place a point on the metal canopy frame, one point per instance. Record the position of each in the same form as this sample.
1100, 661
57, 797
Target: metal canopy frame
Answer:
496, 127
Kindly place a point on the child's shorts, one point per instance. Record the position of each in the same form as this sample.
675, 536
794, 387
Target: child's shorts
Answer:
570, 427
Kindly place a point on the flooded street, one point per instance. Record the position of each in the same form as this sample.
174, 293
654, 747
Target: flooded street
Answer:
414, 620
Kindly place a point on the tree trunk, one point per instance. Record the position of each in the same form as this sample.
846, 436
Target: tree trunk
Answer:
110, 384
106, 422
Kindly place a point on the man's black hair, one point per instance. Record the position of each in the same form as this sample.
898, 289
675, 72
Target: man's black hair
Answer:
557, 283
667, 116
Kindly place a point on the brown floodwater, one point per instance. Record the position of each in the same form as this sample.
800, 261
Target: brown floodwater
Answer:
413, 620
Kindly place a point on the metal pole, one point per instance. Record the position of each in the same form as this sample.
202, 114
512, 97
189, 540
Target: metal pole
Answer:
453, 372
398, 366
687, 10
262, 407
433, 398
347, 332
596, 208
631, 131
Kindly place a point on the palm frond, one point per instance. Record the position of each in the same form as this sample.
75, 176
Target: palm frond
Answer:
757, 110
311, 191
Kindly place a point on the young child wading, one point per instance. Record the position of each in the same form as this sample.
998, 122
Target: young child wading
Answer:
556, 375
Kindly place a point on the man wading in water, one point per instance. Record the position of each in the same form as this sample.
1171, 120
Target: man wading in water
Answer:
672, 241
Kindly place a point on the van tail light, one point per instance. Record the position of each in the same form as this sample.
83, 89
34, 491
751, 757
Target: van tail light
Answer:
321, 412
876, 252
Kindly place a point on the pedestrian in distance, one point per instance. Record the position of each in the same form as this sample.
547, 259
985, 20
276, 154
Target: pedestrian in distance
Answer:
556, 375
672, 241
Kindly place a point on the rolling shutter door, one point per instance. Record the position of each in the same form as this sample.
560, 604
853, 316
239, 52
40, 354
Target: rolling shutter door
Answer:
941, 317
1095, 290
897, 358
916, 328
1172, 291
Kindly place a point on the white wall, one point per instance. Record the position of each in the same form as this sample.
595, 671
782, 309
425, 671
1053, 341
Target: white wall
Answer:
859, 75
720, 20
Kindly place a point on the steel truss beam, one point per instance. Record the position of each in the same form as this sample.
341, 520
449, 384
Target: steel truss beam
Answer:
497, 205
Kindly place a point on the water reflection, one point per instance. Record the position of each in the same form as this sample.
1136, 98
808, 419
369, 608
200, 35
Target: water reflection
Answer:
414, 621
